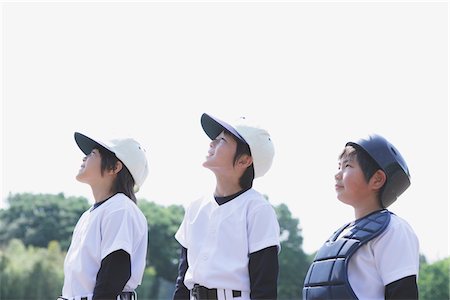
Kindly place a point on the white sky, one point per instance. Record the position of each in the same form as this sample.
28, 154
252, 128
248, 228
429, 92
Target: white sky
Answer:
316, 74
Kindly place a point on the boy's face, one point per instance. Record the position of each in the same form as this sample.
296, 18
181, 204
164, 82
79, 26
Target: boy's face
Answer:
221, 154
351, 186
90, 170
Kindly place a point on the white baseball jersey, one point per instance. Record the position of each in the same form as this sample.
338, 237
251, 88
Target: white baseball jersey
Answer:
219, 239
116, 224
393, 255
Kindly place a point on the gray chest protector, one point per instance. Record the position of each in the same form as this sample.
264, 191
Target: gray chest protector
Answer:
327, 276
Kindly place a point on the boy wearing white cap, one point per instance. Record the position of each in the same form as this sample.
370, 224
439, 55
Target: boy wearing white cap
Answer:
230, 240
107, 255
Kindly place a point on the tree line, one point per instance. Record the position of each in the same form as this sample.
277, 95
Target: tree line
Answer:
35, 233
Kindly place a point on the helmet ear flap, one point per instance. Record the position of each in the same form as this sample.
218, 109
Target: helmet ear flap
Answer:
391, 162
398, 183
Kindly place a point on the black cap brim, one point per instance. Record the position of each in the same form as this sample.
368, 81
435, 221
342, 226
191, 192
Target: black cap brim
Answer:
85, 143
214, 126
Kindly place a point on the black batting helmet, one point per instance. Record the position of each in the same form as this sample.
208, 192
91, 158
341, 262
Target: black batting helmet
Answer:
391, 162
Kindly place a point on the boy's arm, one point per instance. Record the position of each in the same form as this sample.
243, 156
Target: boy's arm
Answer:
181, 291
405, 288
263, 270
114, 273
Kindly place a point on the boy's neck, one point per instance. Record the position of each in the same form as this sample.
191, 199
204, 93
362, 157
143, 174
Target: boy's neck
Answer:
361, 212
224, 190
101, 194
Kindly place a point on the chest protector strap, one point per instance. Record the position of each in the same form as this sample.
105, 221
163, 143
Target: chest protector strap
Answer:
327, 276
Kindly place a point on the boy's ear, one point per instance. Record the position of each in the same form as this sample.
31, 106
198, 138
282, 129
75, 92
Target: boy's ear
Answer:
378, 179
117, 167
245, 161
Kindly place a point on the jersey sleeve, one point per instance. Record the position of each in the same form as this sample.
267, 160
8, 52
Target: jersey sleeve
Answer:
263, 229
405, 288
263, 272
181, 234
397, 253
117, 232
115, 271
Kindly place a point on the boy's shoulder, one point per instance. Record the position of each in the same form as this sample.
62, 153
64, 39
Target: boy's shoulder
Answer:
397, 230
121, 202
255, 202
398, 222
253, 195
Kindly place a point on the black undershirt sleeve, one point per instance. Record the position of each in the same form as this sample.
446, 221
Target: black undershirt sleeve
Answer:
181, 291
405, 288
263, 270
114, 273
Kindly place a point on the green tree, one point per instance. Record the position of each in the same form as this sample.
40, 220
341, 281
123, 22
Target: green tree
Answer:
434, 280
293, 262
38, 219
144, 291
163, 249
15, 267
29, 272
29, 267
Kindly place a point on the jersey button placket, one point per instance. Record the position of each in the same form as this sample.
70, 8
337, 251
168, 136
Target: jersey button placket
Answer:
211, 237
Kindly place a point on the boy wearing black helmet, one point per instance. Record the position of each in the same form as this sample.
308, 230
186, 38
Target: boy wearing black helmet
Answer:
377, 255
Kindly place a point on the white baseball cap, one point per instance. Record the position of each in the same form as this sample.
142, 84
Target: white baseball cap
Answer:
128, 150
257, 138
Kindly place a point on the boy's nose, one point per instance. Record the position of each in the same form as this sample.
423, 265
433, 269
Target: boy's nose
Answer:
337, 175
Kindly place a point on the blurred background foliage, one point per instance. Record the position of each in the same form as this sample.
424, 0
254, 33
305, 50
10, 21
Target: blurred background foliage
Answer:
35, 233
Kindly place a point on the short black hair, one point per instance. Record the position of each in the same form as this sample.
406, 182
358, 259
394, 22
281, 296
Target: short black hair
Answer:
242, 148
124, 182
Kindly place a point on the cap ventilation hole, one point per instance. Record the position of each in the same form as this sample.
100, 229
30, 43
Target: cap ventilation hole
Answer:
393, 150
